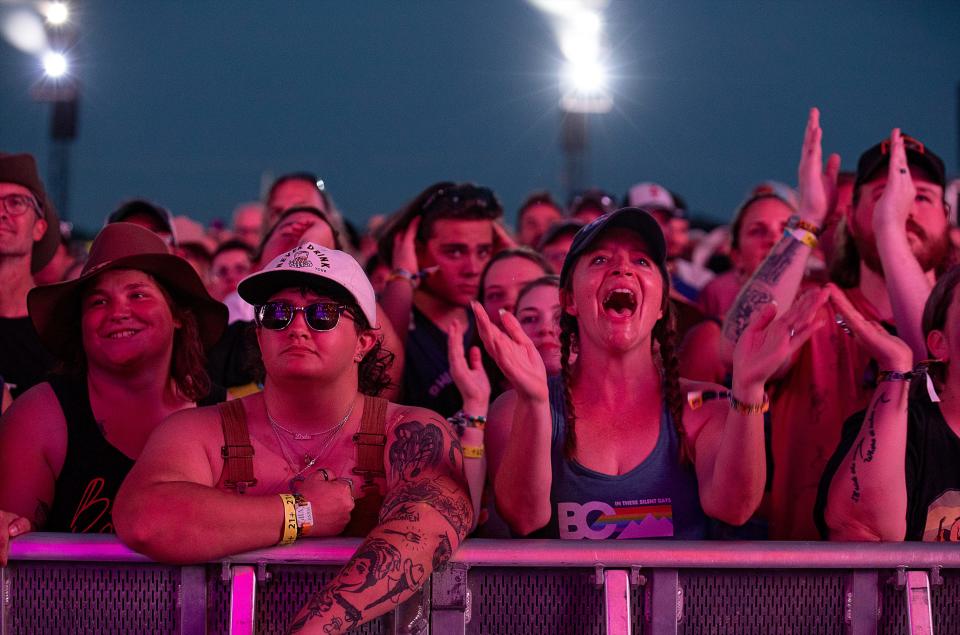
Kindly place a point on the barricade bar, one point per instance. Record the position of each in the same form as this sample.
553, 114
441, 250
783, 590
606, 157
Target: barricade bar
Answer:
548, 553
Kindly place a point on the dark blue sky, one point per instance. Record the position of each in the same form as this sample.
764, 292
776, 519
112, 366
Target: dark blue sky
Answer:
189, 103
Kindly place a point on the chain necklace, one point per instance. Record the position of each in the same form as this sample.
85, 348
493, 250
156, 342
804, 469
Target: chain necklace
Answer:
307, 459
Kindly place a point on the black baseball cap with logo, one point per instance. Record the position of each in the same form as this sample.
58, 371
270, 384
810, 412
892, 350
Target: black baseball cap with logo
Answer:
877, 158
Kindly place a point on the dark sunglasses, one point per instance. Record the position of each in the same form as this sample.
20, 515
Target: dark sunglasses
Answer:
462, 196
276, 316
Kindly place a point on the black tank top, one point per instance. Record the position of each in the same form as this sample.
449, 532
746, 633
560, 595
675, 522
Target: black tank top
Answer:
93, 469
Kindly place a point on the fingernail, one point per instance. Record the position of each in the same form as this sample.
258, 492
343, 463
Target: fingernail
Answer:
502, 311
14, 530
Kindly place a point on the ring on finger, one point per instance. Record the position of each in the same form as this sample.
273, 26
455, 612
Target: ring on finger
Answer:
793, 332
323, 472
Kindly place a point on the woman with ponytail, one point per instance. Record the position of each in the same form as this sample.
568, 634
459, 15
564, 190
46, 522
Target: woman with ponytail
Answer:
618, 445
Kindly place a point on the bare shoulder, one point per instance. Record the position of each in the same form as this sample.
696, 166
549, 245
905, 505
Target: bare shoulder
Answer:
37, 412
399, 413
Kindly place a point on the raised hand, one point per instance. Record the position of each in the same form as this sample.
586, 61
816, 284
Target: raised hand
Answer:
468, 374
769, 341
332, 500
11, 526
405, 247
514, 353
894, 205
817, 185
890, 351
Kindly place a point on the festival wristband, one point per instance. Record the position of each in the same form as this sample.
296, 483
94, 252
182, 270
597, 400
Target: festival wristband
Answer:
749, 408
304, 515
289, 519
802, 235
896, 375
402, 274
472, 451
796, 222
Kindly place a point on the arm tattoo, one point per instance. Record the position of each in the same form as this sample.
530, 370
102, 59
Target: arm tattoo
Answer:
443, 553
772, 268
456, 510
417, 447
748, 302
865, 449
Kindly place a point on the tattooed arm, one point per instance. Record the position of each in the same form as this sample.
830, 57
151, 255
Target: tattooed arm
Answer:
867, 499
425, 515
868, 493
778, 278
33, 444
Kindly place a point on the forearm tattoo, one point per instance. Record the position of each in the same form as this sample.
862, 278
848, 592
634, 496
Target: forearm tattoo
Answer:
866, 446
756, 293
747, 302
455, 509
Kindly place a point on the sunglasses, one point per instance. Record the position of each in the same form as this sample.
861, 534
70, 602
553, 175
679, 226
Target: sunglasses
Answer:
462, 196
276, 316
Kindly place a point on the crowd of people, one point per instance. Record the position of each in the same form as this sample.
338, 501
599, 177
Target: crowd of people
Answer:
608, 370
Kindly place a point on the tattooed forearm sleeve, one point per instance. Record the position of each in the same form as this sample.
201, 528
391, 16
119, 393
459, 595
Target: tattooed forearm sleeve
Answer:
425, 515
778, 278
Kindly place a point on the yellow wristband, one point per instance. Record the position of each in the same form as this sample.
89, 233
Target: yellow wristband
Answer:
473, 451
289, 519
803, 236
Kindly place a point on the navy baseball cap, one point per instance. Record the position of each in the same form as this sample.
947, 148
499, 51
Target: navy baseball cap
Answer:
632, 219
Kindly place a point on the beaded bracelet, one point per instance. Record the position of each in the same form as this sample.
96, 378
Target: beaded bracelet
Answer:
749, 408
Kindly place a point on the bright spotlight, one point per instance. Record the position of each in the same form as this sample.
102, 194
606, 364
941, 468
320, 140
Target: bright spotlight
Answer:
57, 13
54, 64
587, 77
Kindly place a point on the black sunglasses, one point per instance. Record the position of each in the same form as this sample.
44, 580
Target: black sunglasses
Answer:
462, 196
321, 316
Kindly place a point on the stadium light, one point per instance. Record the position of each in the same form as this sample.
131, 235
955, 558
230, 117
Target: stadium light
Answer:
55, 64
57, 13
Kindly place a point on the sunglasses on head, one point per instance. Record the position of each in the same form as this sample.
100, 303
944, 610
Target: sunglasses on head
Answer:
462, 196
320, 316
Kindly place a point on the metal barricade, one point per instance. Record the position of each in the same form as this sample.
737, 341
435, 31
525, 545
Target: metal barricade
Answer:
60, 583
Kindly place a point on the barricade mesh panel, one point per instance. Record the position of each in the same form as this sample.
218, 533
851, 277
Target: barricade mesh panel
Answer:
762, 602
81, 598
638, 618
944, 602
527, 601
277, 601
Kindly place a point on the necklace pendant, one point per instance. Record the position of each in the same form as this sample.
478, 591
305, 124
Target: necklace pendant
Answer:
308, 461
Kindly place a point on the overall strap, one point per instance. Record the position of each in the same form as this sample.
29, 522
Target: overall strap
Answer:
370, 440
237, 452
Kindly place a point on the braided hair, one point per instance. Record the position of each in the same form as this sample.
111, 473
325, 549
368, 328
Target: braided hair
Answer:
665, 335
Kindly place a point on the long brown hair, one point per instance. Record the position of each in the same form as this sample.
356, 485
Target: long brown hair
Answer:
665, 335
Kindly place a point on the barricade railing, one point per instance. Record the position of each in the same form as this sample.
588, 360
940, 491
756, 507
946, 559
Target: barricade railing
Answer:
63, 583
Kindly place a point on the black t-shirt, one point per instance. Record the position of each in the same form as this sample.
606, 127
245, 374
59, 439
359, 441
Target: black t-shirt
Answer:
24, 361
932, 473
235, 358
426, 373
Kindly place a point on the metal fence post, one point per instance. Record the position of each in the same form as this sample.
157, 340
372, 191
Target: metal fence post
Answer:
192, 601
861, 606
449, 600
5, 594
664, 605
243, 590
616, 601
919, 614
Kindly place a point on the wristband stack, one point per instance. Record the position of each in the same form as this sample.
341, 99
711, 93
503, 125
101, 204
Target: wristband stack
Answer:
461, 421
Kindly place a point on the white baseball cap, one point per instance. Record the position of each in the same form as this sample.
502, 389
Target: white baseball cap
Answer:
301, 266
650, 195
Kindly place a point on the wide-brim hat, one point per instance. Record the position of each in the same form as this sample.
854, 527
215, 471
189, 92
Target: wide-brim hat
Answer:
55, 308
632, 219
304, 266
22, 170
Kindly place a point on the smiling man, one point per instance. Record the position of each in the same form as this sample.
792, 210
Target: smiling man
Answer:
29, 235
316, 453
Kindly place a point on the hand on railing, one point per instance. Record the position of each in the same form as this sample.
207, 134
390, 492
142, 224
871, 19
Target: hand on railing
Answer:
332, 500
11, 526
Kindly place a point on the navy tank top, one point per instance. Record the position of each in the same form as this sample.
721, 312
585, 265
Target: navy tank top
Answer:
659, 498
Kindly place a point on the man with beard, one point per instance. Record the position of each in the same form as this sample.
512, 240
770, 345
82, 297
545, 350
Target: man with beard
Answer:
896, 242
